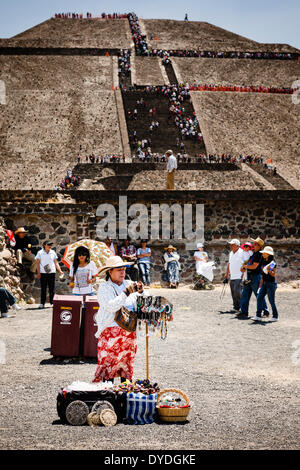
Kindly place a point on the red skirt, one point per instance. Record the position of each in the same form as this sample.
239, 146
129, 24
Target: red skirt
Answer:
116, 351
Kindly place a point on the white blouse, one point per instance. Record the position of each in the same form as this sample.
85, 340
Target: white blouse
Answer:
110, 303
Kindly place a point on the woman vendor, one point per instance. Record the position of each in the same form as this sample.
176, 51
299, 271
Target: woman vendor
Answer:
172, 266
116, 347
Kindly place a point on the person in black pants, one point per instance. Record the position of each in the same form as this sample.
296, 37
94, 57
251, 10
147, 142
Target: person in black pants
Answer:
253, 269
47, 280
268, 284
46, 268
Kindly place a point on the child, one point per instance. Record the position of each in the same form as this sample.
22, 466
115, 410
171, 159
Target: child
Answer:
248, 252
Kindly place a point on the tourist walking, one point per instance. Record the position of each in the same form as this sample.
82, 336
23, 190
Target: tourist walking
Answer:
47, 265
253, 270
268, 284
233, 271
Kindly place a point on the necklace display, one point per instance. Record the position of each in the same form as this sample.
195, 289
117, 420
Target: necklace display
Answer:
155, 311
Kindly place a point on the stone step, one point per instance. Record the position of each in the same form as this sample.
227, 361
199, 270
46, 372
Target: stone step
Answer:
276, 180
167, 134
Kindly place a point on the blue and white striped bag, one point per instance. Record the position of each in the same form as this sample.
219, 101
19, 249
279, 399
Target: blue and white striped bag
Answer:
140, 408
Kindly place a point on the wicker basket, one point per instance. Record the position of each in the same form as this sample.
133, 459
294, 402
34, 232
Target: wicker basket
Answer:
174, 414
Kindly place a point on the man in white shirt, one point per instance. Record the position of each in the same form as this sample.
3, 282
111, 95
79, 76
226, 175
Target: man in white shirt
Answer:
171, 167
236, 260
47, 264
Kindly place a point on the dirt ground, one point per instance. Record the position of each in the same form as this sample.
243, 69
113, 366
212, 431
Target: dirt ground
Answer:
242, 378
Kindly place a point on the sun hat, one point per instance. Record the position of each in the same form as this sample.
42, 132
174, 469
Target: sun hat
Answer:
200, 245
268, 249
20, 230
169, 152
112, 263
258, 240
170, 247
234, 241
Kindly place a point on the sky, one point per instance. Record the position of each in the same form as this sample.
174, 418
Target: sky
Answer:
260, 20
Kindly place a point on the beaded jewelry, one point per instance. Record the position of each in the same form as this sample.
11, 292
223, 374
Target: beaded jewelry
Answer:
153, 312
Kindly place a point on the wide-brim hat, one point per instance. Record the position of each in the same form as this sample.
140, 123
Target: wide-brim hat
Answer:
268, 249
170, 247
259, 241
169, 152
20, 230
112, 263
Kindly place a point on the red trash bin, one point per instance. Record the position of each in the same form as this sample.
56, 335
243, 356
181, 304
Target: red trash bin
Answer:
66, 319
90, 327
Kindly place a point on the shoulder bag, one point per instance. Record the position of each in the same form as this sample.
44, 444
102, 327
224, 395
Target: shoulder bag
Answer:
126, 319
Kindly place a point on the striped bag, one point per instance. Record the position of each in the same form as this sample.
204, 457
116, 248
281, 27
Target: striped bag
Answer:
140, 408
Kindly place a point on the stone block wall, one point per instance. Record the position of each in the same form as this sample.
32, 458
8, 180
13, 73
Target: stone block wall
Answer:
275, 219
9, 272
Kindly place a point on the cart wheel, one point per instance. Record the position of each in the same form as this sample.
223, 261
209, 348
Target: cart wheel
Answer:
102, 405
77, 412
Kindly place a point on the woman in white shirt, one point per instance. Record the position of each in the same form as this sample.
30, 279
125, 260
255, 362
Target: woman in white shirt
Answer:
83, 272
200, 257
47, 265
203, 266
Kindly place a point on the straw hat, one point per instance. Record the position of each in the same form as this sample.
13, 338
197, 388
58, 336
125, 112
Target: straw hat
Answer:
112, 263
20, 230
170, 247
259, 241
268, 249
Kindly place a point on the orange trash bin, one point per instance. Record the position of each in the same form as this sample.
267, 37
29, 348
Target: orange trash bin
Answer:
66, 320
